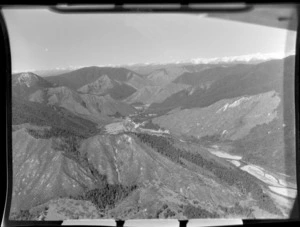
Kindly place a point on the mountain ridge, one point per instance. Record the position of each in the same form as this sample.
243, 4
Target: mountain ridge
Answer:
92, 107
26, 83
255, 79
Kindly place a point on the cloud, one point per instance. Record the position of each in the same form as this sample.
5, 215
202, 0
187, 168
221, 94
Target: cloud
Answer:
242, 58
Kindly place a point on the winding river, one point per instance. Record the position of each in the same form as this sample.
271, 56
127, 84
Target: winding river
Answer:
278, 185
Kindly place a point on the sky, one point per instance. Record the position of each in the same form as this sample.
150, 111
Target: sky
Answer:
42, 39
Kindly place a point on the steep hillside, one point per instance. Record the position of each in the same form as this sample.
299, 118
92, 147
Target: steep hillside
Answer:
139, 82
244, 80
208, 76
96, 108
143, 94
83, 76
155, 94
121, 91
98, 87
165, 74
133, 176
253, 127
61, 120
23, 84
42, 173
269, 145
88, 79
50, 167
104, 85
232, 118
166, 92
127, 161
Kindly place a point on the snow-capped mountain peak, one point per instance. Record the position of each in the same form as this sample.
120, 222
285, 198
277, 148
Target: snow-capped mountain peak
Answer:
250, 58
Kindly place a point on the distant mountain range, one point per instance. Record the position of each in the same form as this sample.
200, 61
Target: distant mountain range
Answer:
214, 84
145, 67
81, 77
163, 87
250, 58
53, 72
95, 108
92, 106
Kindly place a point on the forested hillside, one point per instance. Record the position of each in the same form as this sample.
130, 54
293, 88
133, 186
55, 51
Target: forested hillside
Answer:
61, 120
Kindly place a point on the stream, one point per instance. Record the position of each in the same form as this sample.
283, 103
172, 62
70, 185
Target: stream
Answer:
279, 186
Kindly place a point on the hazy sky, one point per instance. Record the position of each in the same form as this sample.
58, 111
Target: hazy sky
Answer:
41, 39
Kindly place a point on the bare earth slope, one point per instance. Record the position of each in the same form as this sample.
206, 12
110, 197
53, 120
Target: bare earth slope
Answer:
232, 118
